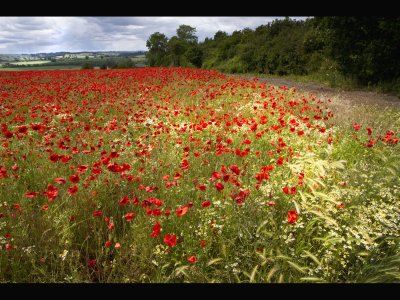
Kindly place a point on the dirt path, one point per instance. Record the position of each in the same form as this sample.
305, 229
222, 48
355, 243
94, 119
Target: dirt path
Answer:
324, 92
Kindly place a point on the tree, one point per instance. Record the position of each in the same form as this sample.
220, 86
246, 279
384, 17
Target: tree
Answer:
365, 48
157, 45
186, 33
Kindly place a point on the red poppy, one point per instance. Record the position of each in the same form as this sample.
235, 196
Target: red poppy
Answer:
44, 207
54, 157
341, 205
280, 160
82, 168
65, 159
97, 214
356, 126
92, 263
234, 169
60, 180
117, 245
129, 216
205, 204
170, 240
271, 203
201, 187
203, 243
107, 244
292, 216
181, 210
285, 190
156, 230
8, 135
22, 129
74, 178
124, 200
72, 190
192, 259
219, 186
157, 202
30, 195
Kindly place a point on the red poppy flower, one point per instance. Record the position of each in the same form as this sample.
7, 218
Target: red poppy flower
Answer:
30, 195
280, 160
92, 263
219, 186
54, 157
235, 169
192, 259
117, 245
22, 129
72, 190
170, 240
156, 230
65, 159
44, 207
271, 203
124, 200
180, 211
8, 135
74, 178
205, 204
60, 180
110, 226
285, 190
82, 168
107, 244
201, 187
203, 243
97, 214
292, 216
356, 126
157, 202
129, 216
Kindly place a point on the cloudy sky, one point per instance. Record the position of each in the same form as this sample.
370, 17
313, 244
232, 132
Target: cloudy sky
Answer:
51, 34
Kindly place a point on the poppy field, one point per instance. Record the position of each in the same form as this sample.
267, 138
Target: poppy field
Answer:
188, 175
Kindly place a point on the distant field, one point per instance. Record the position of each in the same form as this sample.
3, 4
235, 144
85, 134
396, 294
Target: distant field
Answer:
74, 67
29, 63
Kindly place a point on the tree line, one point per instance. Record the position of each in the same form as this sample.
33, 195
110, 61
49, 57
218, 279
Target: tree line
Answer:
363, 49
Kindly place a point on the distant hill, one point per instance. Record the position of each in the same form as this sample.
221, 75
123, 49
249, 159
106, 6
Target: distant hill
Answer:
67, 54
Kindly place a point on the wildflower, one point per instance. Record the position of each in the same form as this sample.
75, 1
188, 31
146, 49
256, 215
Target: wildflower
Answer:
181, 210
192, 259
170, 240
292, 216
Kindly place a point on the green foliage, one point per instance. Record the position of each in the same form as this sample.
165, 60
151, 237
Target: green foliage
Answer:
157, 44
87, 66
342, 51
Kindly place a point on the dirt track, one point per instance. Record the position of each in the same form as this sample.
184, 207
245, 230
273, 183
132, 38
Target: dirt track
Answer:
324, 92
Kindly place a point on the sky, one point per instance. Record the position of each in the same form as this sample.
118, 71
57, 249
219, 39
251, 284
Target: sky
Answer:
28, 35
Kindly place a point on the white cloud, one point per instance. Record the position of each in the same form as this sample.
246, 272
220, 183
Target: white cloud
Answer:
51, 34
